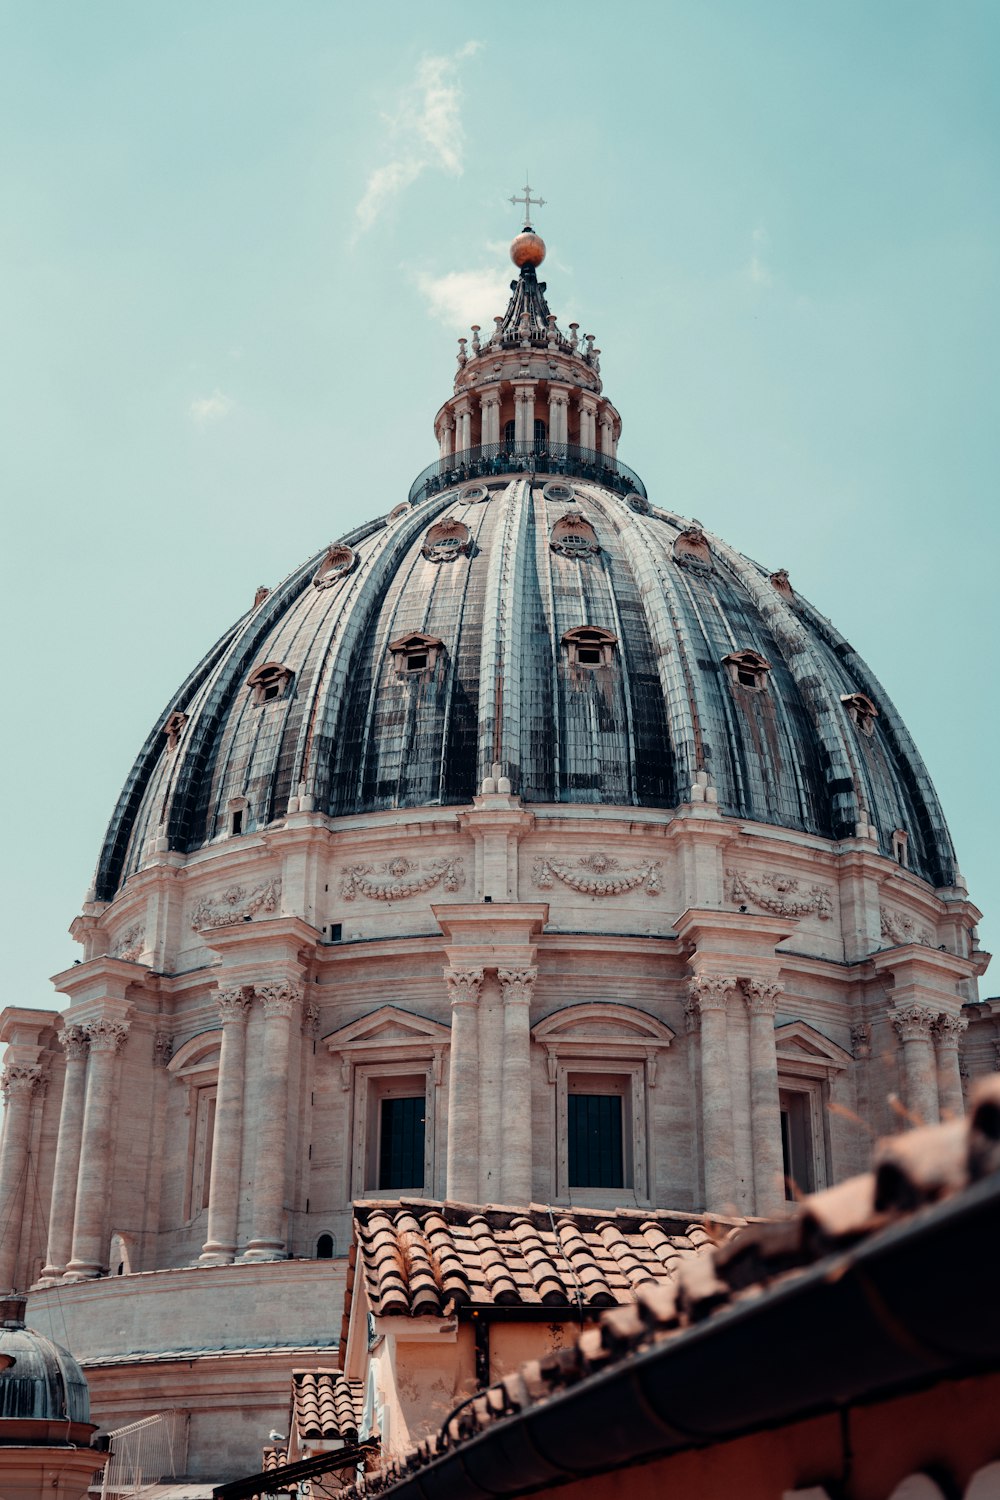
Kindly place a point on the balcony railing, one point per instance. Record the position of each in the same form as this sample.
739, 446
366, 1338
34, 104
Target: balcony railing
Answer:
539, 457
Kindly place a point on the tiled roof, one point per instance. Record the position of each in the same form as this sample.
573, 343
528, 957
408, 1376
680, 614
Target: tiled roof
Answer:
326, 1405
911, 1172
275, 1456
425, 1259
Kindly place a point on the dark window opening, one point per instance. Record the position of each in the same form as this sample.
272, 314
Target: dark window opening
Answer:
796, 1144
588, 656
401, 1143
324, 1247
121, 1268
539, 430
596, 1157
746, 678
509, 428
236, 825
336, 932
270, 690
416, 661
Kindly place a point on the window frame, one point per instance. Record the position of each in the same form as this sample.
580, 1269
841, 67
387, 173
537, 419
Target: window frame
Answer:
373, 1082
622, 1079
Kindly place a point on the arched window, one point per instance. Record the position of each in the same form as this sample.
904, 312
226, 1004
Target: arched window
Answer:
325, 1247
509, 429
539, 434
269, 682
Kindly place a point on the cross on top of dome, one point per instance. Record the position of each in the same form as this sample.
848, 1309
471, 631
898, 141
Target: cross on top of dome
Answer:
528, 200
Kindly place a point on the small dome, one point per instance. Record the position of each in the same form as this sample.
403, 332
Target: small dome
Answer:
39, 1380
528, 249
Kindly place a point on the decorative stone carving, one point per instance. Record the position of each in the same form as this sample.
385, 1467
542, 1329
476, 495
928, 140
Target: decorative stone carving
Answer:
638, 503
913, 1023
899, 929
780, 894
163, 1046
861, 1041
573, 536
761, 997
74, 1041
446, 540
107, 1036
131, 943
598, 875
279, 999
234, 1003
691, 550
20, 1078
173, 727
464, 985
310, 1020
950, 1029
226, 908
709, 992
399, 878
516, 985
780, 583
338, 562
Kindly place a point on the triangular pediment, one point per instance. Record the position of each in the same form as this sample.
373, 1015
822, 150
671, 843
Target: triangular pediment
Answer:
389, 1026
602, 1022
797, 1040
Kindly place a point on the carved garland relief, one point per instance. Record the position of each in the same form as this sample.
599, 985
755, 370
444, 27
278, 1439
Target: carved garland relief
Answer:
900, 929
226, 908
399, 878
131, 943
781, 894
598, 875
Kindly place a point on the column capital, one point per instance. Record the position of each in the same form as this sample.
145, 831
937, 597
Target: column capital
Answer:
710, 991
74, 1041
913, 1023
464, 985
107, 1036
516, 985
234, 1003
950, 1029
20, 1079
761, 996
279, 999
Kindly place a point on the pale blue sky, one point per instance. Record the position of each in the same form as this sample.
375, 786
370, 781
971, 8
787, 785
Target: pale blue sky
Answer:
238, 241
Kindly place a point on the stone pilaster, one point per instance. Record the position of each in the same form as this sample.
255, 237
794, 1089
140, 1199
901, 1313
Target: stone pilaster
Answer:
462, 1181
19, 1082
516, 986
106, 1038
761, 999
708, 998
280, 1001
76, 1044
948, 1034
914, 1026
224, 1183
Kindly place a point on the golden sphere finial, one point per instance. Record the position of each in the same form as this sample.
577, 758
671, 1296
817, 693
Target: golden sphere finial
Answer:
528, 248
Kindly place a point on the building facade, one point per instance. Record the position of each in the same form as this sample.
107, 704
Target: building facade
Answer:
528, 844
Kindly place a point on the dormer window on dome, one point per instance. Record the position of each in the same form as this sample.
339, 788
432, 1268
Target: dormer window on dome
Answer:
589, 646
172, 728
748, 669
416, 655
447, 540
691, 550
573, 536
861, 711
269, 682
338, 562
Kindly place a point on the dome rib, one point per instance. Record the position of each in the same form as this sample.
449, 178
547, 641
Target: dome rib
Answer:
500, 670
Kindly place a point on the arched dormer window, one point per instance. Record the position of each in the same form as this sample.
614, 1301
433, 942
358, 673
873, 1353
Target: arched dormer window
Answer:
691, 550
861, 711
338, 562
416, 655
589, 646
748, 669
172, 728
573, 536
325, 1247
447, 540
269, 682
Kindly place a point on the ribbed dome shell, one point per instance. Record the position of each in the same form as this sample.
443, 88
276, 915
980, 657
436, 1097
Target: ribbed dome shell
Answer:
353, 733
43, 1382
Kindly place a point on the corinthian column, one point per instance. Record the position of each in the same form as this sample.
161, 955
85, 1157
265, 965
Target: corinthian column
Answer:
19, 1081
269, 1183
93, 1181
914, 1026
949, 1031
765, 1110
75, 1043
224, 1183
516, 986
708, 999
463, 1085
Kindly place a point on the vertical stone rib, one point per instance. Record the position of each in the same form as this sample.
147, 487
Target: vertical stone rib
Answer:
224, 1182
500, 650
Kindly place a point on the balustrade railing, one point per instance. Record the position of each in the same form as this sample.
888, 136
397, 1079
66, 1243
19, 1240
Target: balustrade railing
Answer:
538, 457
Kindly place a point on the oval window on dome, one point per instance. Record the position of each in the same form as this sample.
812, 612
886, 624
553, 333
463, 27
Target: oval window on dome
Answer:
338, 562
473, 494
691, 550
638, 503
446, 541
573, 536
400, 510
562, 494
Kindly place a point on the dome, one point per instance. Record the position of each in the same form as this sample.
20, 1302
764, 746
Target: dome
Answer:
39, 1380
397, 665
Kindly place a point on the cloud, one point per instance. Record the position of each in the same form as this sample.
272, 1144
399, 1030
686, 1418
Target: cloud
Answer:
207, 410
460, 298
427, 129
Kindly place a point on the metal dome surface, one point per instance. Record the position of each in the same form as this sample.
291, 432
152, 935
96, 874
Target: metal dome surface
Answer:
308, 697
39, 1380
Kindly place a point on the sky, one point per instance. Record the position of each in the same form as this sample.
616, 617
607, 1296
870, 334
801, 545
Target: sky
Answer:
239, 241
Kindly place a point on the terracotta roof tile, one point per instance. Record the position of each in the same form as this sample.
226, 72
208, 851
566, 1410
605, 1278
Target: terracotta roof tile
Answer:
326, 1405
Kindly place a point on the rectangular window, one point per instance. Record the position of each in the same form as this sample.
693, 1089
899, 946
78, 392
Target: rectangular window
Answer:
204, 1139
596, 1144
797, 1143
402, 1123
